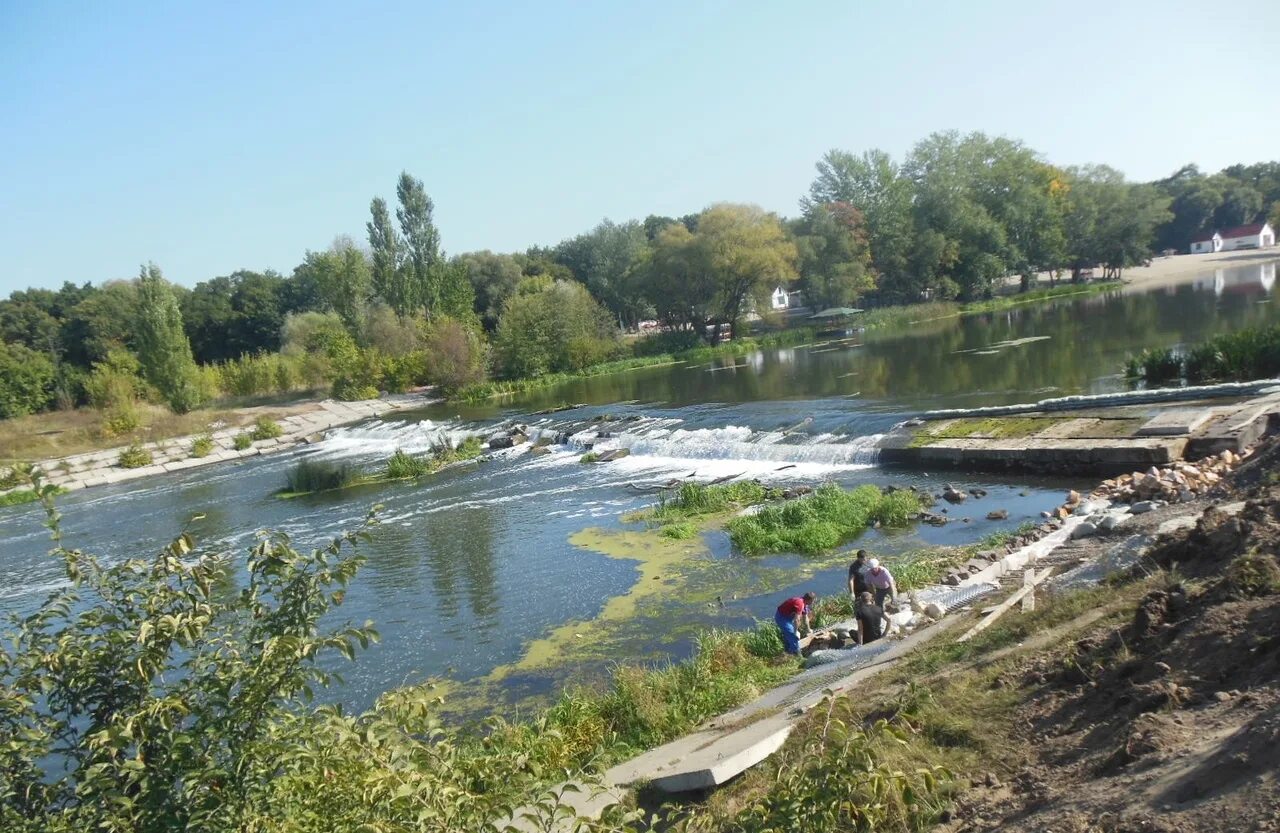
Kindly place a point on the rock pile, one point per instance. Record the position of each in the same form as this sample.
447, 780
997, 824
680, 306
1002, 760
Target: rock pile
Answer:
1180, 481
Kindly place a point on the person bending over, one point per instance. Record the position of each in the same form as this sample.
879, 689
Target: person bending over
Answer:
880, 581
870, 618
790, 616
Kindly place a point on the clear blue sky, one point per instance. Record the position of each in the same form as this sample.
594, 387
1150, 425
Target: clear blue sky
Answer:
216, 136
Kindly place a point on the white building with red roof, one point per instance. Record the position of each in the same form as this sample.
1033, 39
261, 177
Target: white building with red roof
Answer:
1253, 236
1204, 245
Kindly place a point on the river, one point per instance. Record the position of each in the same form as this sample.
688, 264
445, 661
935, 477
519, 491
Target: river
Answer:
469, 569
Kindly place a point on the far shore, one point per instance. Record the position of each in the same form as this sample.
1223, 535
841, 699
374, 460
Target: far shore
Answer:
1172, 270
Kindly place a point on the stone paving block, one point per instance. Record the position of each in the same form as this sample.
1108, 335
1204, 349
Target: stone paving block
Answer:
1175, 422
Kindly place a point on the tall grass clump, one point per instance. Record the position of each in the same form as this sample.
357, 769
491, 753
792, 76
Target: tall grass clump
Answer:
202, 446
319, 476
1251, 353
1155, 367
694, 499
402, 466
644, 707
821, 521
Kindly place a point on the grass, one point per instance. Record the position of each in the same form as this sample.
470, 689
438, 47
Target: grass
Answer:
266, 429
1003, 302
65, 433
310, 476
1251, 353
134, 457
692, 500
821, 521
202, 446
642, 707
402, 466
1009, 427
399, 466
589, 457
242, 441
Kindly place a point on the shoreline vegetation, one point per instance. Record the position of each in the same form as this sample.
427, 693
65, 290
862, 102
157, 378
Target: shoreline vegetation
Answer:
345, 767
872, 321
1251, 353
312, 477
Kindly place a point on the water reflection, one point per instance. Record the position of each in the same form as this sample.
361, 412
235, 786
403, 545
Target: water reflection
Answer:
1248, 280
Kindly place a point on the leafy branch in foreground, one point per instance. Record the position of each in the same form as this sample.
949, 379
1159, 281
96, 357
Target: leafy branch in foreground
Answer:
146, 695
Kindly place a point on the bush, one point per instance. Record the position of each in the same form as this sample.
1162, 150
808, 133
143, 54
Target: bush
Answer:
18, 474
455, 355
134, 457
821, 521
266, 429
115, 382
554, 329
150, 698
242, 441
680, 530
693, 499
319, 476
121, 419
1253, 574
202, 446
27, 381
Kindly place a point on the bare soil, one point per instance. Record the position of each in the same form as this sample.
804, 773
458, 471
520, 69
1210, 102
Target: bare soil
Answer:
1170, 721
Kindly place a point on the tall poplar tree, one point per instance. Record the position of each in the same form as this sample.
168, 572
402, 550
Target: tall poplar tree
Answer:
163, 349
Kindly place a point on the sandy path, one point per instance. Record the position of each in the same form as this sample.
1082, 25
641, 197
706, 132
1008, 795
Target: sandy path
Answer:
1173, 270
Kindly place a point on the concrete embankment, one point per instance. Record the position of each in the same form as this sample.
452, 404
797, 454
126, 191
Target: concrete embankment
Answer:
99, 468
1088, 435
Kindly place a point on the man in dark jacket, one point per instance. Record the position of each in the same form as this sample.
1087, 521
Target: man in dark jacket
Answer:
870, 618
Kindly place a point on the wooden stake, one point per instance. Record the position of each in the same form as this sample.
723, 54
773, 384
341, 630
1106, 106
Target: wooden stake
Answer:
1029, 585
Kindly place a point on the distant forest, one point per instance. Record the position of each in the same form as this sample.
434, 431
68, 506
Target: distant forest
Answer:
958, 214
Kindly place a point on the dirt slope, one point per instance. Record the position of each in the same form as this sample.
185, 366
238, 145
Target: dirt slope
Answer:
1172, 721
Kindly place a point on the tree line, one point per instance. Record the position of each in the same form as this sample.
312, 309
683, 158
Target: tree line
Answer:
958, 214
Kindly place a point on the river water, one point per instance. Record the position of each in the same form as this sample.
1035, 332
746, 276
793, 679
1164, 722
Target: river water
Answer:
471, 566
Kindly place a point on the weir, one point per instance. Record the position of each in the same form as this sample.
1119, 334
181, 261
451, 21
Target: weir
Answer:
1089, 435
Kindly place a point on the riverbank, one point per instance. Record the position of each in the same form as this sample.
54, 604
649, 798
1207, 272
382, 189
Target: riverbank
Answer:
304, 423
965, 716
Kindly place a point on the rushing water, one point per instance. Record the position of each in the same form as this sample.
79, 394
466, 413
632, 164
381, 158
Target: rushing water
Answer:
469, 566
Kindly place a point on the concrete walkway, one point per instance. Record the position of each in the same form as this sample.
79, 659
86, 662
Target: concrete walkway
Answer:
99, 468
1112, 434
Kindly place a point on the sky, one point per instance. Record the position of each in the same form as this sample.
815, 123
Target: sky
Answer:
220, 136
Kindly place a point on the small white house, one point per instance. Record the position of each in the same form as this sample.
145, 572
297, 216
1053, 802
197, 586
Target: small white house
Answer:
782, 299
1254, 236
1204, 245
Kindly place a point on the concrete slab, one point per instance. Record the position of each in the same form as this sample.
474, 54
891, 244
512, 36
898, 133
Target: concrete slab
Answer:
705, 759
1175, 422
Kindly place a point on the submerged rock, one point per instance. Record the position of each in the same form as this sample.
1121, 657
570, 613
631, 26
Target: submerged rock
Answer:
998, 515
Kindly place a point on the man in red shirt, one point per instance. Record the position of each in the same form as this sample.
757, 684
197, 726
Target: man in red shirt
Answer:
790, 615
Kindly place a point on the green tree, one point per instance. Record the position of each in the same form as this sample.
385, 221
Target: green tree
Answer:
493, 278
874, 185
834, 255
1110, 222
1241, 204
27, 380
343, 279
455, 354
1273, 216
603, 260
421, 259
390, 282
698, 281
103, 320
552, 327
163, 349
